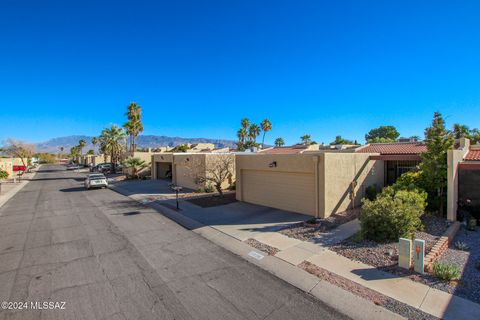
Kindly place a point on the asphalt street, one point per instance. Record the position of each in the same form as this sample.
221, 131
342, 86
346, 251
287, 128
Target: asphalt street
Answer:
99, 255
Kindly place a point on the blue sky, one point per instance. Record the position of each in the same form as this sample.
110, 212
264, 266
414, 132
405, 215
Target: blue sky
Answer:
198, 67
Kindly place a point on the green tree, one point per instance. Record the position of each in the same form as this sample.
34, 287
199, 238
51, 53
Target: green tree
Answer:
134, 125
111, 142
136, 165
94, 142
90, 152
266, 126
253, 133
3, 174
81, 144
306, 139
279, 142
434, 160
340, 140
382, 134
19, 149
460, 131
474, 136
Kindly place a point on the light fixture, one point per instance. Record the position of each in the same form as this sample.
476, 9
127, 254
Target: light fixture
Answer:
273, 164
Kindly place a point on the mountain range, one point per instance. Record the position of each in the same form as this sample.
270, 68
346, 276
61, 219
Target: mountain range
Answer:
143, 141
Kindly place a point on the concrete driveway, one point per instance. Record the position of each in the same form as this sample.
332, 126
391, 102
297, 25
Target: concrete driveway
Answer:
240, 220
148, 189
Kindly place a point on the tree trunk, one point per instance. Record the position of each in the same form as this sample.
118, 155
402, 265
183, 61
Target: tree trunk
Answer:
263, 139
219, 189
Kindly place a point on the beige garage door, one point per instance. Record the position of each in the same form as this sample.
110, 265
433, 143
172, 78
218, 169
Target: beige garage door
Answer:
282, 190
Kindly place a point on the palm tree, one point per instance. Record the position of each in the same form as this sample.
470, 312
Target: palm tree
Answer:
94, 142
134, 124
253, 133
306, 139
279, 142
266, 126
81, 144
136, 164
111, 141
245, 123
242, 135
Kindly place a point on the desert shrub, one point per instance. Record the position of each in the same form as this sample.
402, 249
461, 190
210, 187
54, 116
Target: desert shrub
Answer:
232, 187
410, 181
209, 188
446, 272
3, 174
460, 245
393, 214
371, 192
311, 221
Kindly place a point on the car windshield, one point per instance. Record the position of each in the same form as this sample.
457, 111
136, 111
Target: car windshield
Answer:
96, 176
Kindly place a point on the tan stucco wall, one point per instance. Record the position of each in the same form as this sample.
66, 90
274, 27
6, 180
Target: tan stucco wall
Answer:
454, 157
210, 161
6, 164
341, 169
186, 167
333, 176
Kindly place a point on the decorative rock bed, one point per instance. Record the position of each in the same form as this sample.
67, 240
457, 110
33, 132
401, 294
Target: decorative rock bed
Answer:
384, 256
305, 231
441, 246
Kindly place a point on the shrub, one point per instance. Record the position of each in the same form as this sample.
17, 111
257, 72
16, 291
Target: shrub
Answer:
393, 214
462, 246
411, 180
209, 188
3, 174
371, 192
446, 272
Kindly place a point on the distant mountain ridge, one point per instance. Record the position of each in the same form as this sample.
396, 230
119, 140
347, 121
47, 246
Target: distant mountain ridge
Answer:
143, 141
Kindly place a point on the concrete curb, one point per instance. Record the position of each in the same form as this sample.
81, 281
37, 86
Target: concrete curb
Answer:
335, 297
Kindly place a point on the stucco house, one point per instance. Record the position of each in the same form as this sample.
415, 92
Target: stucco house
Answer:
7, 164
317, 184
186, 169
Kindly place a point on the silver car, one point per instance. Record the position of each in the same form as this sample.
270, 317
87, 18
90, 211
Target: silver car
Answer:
96, 180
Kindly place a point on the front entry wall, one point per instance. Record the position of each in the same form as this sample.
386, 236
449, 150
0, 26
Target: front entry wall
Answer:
284, 190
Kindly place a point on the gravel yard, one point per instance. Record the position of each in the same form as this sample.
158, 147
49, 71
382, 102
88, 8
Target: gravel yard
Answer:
468, 261
304, 231
396, 306
271, 251
385, 257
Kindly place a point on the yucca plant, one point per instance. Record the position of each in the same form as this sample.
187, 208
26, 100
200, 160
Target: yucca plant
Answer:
446, 272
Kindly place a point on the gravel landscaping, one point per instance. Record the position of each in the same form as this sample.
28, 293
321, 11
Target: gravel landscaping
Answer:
305, 231
271, 251
393, 305
385, 257
214, 200
468, 261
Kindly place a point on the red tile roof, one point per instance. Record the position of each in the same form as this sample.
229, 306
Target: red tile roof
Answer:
394, 148
284, 150
472, 155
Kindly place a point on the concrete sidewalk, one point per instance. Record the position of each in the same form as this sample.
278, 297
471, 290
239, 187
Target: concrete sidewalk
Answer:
293, 252
10, 188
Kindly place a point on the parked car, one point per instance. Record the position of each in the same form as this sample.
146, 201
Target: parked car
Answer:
96, 180
73, 166
107, 168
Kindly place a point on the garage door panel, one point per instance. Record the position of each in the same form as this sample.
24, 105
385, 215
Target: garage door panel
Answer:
283, 190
